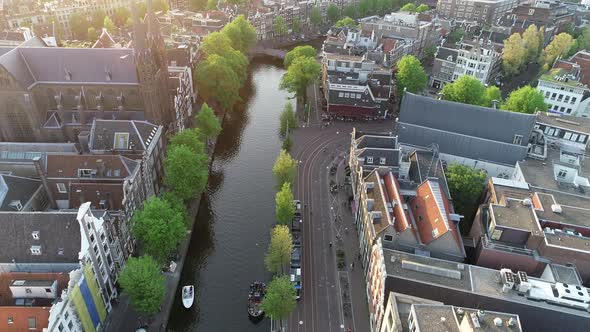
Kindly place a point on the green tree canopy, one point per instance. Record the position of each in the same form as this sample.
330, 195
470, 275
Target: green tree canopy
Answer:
296, 26
492, 93
514, 54
241, 33
559, 47
410, 75
456, 35
191, 138
79, 26
186, 172
530, 38
465, 185
284, 169
351, 11
333, 13
216, 43
345, 22
177, 204
279, 301
315, 17
287, 119
121, 16
208, 122
159, 228
583, 40
280, 28
525, 100
422, 8
224, 88
466, 89
299, 51
285, 210
211, 4
409, 7
142, 280
302, 72
109, 24
279, 251
92, 35
97, 18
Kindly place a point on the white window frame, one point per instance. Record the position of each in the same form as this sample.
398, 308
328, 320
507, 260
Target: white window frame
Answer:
35, 235
369, 160
61, 188
36, 250
382, 161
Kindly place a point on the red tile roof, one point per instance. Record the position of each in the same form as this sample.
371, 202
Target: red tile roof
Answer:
432, 218
402, 218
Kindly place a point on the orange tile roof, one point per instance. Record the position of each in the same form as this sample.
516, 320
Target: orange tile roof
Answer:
432, 219
402, 218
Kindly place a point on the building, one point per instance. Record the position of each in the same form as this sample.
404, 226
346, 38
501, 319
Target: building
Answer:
15, 37
26, 298
478, 57
417, 29
477, 136
542, 304
137, 140
482, 11
563, 91
54, 93
563, 129
397, 311
21, 194
355, 87
554, 15
182, 88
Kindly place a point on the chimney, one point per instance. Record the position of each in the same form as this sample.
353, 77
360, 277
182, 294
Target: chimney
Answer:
495, 104
100, 168
41, 174
83, 138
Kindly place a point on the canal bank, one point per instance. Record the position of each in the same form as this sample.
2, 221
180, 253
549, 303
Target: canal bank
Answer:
231, 230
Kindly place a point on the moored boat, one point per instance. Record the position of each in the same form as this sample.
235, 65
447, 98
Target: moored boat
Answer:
188, 296
255, 297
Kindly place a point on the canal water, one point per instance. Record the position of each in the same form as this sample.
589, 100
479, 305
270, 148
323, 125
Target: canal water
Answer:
231, 232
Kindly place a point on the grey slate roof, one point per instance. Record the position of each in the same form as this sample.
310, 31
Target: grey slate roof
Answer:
443, 53
57, 230
102, 134
86, 65
376, 141
16, 188
468, 131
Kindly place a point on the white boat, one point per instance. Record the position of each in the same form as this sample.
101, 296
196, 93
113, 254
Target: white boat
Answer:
188, 296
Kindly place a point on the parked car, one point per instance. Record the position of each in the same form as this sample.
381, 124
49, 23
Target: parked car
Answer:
296, 224
296, 281
297, 204
296, 257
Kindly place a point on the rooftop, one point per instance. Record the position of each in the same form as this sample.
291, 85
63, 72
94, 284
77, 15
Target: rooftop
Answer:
97, 166
6, 279
16, 189
437, 317
122, 135
573, 123
556, 237
563, 76
515, 215
377, 193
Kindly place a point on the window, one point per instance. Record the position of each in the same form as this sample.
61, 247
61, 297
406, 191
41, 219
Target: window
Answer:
10, 320
388, 237
567, 136
35, 235
517, 139
566, 99
358, 96
496, 234
36, 250
84, 173
560, 97
28, 291
340, 94
61, 188
419, 218
32, 322
60, 327
568, 111
582, 138
346, 95
547, 94
47, 290
369, 160
573, 100
574, 137
70, 325
382, 161
553, 96
121, 141
562, 173
562, 109
60, 251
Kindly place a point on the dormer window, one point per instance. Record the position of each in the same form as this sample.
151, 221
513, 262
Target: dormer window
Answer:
382, 161
121, 141
369, 160
35, 235
68, 74
84, 173
16, 204
36, 250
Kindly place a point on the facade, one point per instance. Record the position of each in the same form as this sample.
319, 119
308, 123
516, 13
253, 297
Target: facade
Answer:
562, 129
51, 93
563, 91
355, 87
443, 69
553, 15
483, 11
182, 88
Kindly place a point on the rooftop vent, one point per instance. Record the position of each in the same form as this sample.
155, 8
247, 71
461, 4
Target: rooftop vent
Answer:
512, 321
442, 319
556, 208
527, 202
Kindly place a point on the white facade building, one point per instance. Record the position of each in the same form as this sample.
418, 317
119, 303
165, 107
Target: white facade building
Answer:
477, 58
563, 91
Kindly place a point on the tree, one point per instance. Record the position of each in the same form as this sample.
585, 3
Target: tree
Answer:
285, 210
207, 122
97, 18
197, 5
284, 169
410, 75
492, 93
142, 280
160, 6
559, 46
287, 119
300, 74
364, 8
109, 24
383, 6
287, 143
92, 35
422, 8
530, 38
191, 138
177, 204
345, 22
280, 28
315, 17
409, 7
296, 26
241, 33
333, 13
583, 39
465, 186
299, 51
279, 251
466, 89
186, 172
279, 301
456, 35
79, 26
158, 227
217, 43
121, 16
352, 10
211, 4
525, 100
514, 54
224, 88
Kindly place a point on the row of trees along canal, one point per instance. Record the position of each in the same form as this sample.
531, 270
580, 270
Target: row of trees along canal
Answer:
279, 302
162, 224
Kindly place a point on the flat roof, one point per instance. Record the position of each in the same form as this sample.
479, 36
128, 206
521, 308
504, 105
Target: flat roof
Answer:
32, 283
515, 215
574, 210
572, 123
553, 73
568, 241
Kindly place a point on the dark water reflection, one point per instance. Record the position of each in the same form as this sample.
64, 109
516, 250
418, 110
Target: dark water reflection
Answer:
232, 226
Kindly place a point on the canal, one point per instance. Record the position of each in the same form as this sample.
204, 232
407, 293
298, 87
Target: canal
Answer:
231, 232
